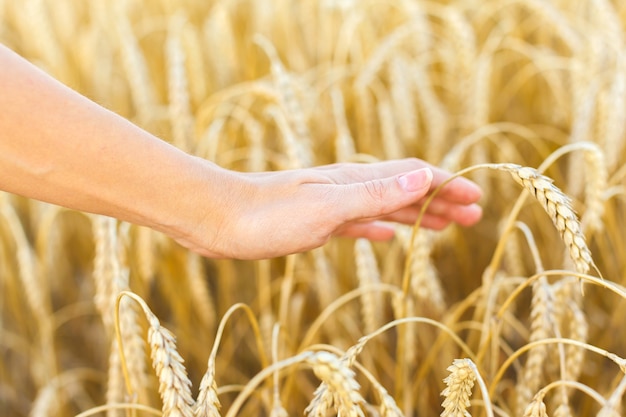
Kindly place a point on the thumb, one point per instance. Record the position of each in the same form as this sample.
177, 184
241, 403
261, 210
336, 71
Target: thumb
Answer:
379, 197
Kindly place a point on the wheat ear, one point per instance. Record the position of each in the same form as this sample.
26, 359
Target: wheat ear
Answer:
179, 108
612, 406
542, 321
559, 208
174, 385
459, 389
368, 274
208, 404
344, 142
536, 408
339, 389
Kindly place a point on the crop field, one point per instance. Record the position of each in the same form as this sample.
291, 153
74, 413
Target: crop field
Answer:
520, 315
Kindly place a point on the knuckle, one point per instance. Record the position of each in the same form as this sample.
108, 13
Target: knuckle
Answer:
376, 191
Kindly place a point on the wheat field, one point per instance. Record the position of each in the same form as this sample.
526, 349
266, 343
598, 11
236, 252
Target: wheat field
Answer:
520, 315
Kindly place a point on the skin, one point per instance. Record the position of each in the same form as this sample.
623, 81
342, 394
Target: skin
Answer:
60, 147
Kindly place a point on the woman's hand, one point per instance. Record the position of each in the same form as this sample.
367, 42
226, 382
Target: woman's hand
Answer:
277, 213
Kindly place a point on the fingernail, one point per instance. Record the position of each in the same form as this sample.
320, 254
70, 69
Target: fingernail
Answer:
416, 180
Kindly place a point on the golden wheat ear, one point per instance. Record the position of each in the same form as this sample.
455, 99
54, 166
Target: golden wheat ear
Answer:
559, 208
458, 390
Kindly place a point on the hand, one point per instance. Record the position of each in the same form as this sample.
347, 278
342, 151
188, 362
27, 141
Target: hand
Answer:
277, 213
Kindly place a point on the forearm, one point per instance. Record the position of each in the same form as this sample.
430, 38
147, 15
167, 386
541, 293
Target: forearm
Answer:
60, 147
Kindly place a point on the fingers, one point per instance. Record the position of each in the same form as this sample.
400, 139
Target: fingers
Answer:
465, 215
460, 190
438, 214
379, 197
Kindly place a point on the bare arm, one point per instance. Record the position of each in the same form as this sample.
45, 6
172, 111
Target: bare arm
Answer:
58, 146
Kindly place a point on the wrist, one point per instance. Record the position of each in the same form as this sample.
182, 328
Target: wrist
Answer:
204, 204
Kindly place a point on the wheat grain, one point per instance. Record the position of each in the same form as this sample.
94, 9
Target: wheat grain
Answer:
459, 389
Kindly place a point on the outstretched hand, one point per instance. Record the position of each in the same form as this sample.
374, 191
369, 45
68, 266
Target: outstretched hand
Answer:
277, 213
